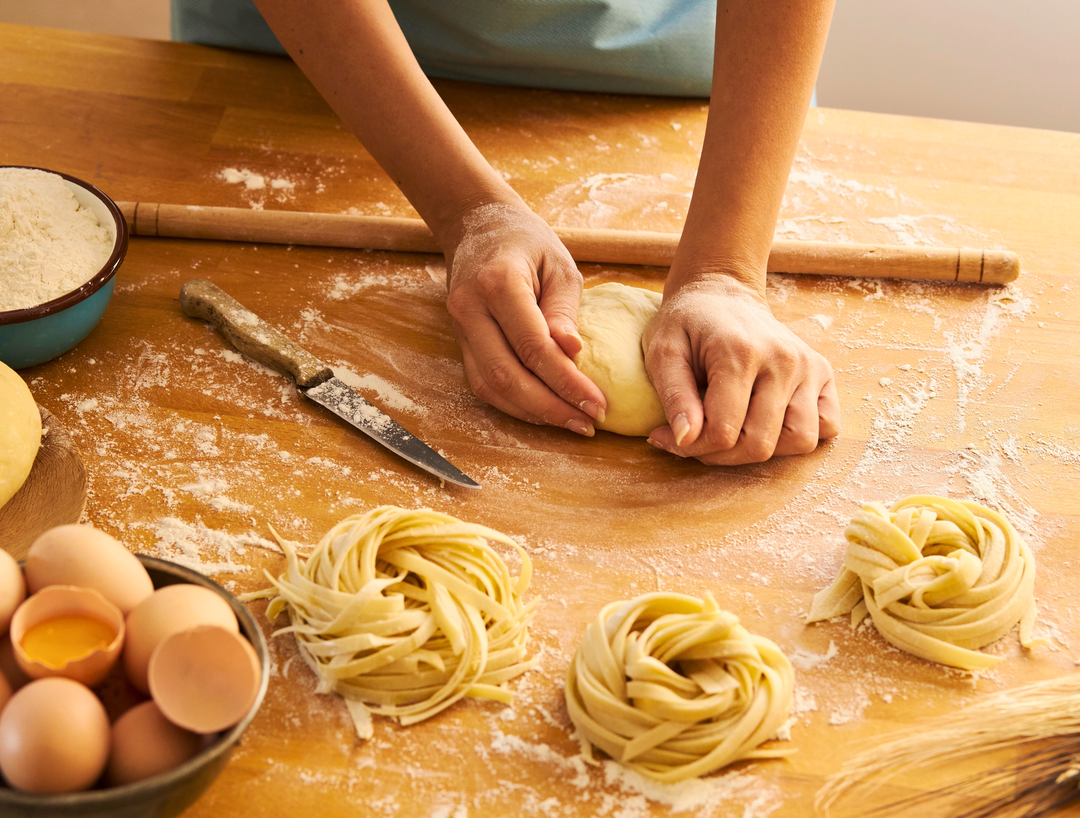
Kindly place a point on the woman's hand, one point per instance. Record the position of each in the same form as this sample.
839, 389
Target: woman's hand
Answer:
765, 392
513, 294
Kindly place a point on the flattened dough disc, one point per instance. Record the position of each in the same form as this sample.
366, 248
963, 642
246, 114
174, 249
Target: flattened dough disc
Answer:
54, 493
611, 320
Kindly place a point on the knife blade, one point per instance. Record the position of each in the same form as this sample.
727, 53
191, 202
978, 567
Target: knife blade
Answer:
315, 380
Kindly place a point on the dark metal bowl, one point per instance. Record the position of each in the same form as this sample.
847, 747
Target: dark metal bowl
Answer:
168, 794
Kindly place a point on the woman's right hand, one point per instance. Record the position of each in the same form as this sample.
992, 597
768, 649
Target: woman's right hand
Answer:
512, 293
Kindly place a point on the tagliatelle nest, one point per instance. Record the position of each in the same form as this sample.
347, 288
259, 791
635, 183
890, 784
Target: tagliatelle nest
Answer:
940, 578
674, 688
403, 613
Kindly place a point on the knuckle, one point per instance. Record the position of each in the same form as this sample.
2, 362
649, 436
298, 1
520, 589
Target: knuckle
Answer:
828, 428
803, 442
562, 269
491, 281
759, 449
480, 387
530, 351
743, 352
786, 359
455, 302
726, 436
500, 379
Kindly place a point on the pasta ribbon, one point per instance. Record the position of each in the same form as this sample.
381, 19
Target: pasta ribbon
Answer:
403, 613
675, 688
940, 579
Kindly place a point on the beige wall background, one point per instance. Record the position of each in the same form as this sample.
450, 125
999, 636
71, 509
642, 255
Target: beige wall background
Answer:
1009, 62
132, 18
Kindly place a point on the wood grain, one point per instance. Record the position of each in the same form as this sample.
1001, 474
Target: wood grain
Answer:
54, 492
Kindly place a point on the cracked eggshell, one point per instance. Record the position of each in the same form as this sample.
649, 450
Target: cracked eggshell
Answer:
83, 556
59, 600
169, 610
205, 679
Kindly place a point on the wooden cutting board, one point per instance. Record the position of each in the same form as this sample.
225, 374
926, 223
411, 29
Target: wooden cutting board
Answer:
54, 493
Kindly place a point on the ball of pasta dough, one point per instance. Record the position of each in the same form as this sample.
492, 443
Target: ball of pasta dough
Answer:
20, 432
611, 320
674, 688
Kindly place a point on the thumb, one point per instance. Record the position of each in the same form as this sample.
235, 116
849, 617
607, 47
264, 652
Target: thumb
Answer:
675, 384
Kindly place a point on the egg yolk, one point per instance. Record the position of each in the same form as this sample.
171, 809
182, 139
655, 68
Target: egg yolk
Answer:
61, 639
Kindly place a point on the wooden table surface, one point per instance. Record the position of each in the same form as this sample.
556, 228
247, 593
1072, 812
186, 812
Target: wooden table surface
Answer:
193, 452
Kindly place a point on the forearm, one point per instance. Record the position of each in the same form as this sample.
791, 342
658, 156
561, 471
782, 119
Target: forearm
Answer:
358, 59
765, 66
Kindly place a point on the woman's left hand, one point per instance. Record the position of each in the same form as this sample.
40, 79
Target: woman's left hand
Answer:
737, 385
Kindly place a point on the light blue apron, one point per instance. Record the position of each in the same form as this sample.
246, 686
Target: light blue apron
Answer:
661, 47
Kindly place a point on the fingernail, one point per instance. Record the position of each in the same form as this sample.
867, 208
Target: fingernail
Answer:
580, 427
679, 427
593, 410
655, 445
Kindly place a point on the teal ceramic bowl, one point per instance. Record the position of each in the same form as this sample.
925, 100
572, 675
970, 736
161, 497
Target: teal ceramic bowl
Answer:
169, 794
37, 334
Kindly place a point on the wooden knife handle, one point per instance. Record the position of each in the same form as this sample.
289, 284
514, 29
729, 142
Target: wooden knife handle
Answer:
250, 334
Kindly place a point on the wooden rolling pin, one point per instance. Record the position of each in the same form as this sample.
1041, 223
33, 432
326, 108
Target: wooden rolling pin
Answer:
585, 245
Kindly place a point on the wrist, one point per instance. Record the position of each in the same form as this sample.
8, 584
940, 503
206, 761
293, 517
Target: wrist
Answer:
448, 219
736, 274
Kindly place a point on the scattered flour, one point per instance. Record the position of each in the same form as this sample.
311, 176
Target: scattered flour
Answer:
389, 396
278, 187
804, 659
49, 244
189, 544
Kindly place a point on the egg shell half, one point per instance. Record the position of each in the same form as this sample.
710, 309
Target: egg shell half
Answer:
169, 610
83, 556
54, 737
12, 588
58, 600
145, 744
205, 679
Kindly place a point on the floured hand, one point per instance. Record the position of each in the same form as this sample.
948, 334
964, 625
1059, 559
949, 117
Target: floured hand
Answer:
513, 293
765, 391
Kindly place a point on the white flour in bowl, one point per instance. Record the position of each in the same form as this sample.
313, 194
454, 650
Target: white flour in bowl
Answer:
49, 244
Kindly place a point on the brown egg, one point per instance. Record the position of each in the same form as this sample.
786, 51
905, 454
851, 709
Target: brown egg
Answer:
145, 744
5, 692
9, 668
12, 588
54, 737
169, 610
205, 679
83, 556
66, 631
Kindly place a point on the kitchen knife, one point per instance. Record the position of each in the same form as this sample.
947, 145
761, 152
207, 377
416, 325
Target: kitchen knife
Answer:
314, 379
